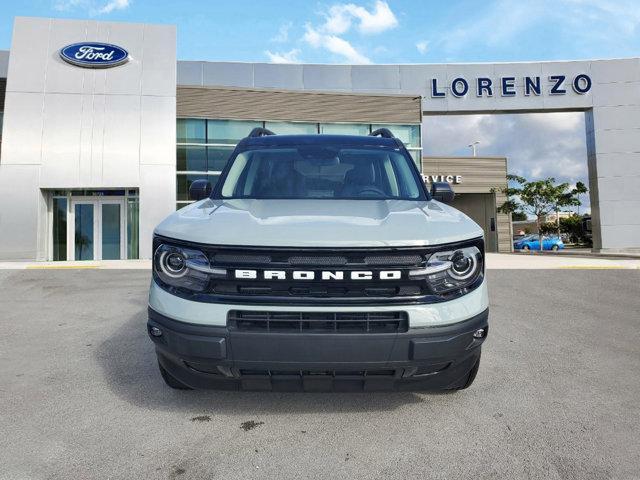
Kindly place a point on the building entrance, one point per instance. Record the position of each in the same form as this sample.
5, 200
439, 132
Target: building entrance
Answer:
96, 230
94, 225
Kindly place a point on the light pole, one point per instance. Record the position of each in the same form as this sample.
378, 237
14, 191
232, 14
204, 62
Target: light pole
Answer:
473, 147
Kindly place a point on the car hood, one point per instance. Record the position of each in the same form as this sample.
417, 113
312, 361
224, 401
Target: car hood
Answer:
319, 223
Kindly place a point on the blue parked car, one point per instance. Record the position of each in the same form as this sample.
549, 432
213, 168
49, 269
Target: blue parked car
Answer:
532, 242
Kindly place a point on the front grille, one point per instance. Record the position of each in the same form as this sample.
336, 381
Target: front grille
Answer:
317, 260
320, 373
393, 260
317, 322
261, 287
241, 259
290, 257
318, 290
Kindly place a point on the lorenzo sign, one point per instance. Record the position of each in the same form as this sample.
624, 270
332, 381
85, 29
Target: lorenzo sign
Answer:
506, 86
94, 55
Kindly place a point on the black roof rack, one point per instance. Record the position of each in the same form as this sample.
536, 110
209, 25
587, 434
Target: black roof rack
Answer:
382, 132
260, 132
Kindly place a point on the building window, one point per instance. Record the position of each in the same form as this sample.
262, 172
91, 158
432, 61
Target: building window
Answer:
292, 128
217, 158
195, 158
410, 136
345, 128
191, 130
191, 158
133, 225
229, 132
204, 146
59, 228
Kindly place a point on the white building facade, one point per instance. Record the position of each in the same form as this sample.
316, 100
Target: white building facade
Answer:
93, 158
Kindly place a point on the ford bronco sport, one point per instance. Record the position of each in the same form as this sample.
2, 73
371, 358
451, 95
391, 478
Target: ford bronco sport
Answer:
319, 262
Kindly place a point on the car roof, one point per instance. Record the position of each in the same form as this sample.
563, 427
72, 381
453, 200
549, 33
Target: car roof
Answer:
321, 139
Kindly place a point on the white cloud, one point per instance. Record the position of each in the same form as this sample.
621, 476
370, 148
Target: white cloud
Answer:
92, 7
422, 46
340, 17
334, 44
329, 32
558, 122
283, 33
337, 21
283, 57
114, 5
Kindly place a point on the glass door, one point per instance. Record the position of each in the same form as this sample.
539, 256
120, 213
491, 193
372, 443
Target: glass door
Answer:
97, 229
112, 230
84, 229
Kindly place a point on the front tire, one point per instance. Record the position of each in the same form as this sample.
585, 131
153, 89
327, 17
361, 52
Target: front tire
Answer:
525, 248
172, 381
555, 248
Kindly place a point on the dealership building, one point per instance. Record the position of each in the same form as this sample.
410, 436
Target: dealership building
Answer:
103, 130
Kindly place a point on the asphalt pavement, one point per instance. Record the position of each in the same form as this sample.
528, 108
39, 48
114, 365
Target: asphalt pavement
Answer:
556, 397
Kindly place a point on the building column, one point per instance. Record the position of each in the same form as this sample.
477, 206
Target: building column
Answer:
613, 149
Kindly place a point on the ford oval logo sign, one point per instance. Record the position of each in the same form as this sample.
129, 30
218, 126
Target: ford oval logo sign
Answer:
94, 55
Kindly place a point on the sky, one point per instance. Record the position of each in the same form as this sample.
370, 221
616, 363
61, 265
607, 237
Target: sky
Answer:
399, 31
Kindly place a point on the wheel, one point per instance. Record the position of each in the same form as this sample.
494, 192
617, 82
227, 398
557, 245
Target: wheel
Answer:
525, 247
171, 381
466, 383
555, 248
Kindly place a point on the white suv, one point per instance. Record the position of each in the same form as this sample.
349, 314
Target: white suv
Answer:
319, 262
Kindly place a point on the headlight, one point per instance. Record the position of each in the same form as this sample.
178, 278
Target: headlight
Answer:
452, 270
183, 267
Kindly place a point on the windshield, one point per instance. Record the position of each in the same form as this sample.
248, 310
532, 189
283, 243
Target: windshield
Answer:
322, 172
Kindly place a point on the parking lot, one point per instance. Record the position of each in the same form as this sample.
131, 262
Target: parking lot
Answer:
556, 396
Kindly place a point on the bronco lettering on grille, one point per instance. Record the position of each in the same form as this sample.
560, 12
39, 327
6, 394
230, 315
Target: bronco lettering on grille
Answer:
330, 275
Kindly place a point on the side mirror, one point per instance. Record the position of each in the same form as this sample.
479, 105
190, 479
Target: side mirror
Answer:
442, 192
199, 189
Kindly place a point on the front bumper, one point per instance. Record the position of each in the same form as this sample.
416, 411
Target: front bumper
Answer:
420, 315
430, 358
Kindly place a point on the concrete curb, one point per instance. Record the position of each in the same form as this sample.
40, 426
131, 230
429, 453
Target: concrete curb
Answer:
102, 265
583, 254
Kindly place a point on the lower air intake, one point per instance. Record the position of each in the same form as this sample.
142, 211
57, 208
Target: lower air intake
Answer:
317, 322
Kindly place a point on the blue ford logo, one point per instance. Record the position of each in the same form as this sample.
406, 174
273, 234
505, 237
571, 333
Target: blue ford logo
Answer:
94, 55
